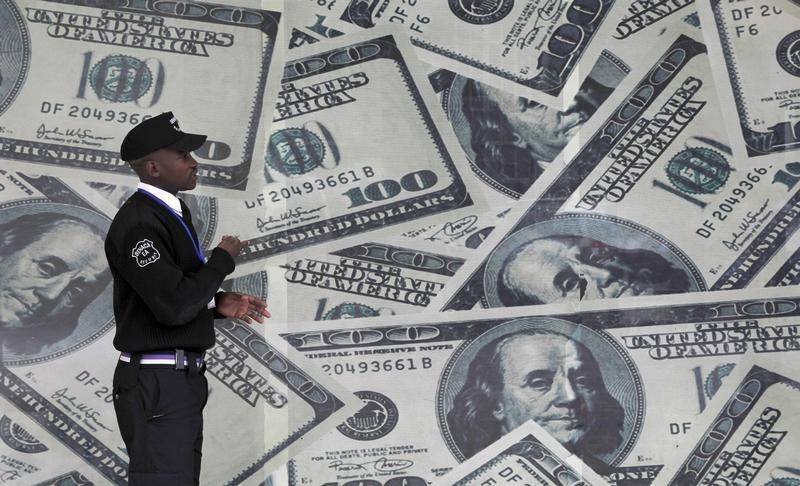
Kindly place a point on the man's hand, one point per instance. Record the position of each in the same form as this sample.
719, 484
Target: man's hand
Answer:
241, 306
232, 244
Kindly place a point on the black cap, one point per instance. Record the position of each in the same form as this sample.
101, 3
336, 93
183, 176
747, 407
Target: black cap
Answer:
155, 133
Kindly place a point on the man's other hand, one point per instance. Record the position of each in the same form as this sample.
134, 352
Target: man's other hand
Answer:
232, 244
242, 306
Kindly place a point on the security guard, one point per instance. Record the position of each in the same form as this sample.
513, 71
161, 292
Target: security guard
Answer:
165, 300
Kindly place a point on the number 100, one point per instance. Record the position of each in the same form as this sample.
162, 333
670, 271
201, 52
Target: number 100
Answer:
389, 188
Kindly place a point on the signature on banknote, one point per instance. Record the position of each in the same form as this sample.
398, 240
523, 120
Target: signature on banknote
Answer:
7, 475
546, 12
748, 226
789, 105
382, 464
298, 212
88, 414
454, 229
59, 134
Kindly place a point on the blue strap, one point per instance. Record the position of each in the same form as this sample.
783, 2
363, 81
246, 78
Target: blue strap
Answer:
195, 243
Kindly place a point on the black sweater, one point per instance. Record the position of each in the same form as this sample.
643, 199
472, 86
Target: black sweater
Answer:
161, 289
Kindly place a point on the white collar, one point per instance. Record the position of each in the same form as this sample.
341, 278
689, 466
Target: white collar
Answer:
169, 199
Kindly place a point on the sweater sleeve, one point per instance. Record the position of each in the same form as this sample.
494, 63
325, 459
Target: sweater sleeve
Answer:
173, 296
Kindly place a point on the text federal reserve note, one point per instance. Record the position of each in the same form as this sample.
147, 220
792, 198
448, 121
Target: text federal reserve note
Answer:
77, 75
652, 203
618, 388
526, 455
750, 433
755, 49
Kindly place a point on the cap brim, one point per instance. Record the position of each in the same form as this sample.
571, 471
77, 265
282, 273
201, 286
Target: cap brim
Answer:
189, 142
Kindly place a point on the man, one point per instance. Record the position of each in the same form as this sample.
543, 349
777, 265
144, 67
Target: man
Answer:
514, 138
50, 274
165, 300
539, 375
572, 268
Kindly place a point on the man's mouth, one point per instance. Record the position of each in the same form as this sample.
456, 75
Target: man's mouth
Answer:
565, 421
27, 309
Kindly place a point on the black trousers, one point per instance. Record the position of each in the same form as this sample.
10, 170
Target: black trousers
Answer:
160, 415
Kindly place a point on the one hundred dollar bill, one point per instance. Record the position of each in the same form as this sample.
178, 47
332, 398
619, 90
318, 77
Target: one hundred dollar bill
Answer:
357, 143
653, 202
619, 388
756, 61
750, 433
540, 49
532, 45
78, 75
526, 455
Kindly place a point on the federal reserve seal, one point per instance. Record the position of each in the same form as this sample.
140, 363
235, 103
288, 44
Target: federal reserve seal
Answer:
481, 12
788, 53
120, 78
349, 310
375, 420
18, 438
295, 151
698, 171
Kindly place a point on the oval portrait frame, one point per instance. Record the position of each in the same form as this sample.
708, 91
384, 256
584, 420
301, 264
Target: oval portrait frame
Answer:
620, 376
96, 318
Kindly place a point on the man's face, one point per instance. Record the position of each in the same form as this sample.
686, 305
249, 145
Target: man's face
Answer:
543, 131
572, 269
546, 378
48, 277
177, 171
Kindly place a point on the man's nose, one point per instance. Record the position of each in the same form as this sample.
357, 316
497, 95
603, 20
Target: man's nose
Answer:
597, 277
565, 391
53, 289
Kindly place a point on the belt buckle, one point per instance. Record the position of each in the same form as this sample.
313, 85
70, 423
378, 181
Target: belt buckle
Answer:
180, 359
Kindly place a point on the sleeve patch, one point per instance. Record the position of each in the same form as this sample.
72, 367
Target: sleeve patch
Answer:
145, 253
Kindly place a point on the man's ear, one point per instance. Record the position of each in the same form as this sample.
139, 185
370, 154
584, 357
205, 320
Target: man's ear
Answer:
518, 141
151, 168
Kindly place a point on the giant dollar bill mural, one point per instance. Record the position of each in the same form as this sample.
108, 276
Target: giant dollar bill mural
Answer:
570, 179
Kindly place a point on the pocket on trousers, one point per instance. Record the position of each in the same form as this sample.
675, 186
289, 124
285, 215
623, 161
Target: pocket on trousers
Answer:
149, 394
152, 479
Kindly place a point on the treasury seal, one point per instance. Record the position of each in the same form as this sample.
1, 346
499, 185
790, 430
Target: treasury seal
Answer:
698, 171
18, 438
481, 12
120, 78
788, 53
295, 151
375, 420
349, 310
